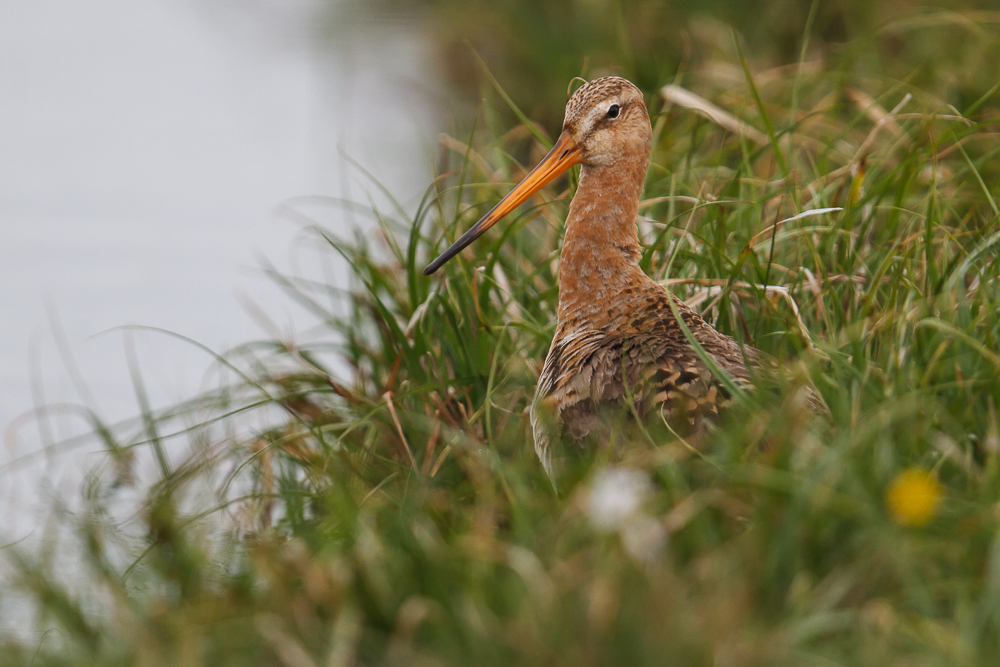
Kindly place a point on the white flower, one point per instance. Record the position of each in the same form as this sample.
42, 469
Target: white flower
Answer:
615, 495
615, 504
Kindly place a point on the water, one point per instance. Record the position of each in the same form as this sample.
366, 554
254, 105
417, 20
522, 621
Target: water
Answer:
144, 146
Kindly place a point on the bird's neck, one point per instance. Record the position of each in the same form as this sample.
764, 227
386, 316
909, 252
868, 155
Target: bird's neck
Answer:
600, 253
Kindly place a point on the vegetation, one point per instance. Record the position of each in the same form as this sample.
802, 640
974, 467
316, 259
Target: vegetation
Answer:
535, 48
395, 513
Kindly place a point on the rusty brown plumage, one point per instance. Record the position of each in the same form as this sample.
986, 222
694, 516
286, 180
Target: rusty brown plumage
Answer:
617, 339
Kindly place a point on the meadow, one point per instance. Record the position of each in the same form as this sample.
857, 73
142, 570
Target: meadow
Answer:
836, 215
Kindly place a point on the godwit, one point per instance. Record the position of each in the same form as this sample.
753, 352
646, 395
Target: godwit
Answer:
617, 338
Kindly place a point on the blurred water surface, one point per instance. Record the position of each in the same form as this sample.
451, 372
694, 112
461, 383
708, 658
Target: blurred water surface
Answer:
144, 145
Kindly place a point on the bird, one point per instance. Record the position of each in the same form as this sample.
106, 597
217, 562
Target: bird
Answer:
618, 341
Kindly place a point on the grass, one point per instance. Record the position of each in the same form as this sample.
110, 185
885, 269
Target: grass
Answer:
395, 513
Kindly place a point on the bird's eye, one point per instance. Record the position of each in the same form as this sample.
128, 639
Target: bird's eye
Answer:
614, 111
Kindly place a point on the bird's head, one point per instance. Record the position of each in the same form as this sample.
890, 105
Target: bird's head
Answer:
606, 121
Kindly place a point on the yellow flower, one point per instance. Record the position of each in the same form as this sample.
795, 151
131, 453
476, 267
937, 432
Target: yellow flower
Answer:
913, 497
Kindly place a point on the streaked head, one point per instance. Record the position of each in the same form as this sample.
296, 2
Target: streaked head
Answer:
606, 121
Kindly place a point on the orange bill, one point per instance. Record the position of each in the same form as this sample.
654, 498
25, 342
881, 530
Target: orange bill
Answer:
563, 155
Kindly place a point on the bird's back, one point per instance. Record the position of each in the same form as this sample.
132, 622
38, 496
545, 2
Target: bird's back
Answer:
631, 354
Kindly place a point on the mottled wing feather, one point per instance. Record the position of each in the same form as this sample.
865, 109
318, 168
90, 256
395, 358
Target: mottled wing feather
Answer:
652, 364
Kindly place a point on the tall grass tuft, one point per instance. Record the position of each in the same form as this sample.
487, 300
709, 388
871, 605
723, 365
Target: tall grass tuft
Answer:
394, 512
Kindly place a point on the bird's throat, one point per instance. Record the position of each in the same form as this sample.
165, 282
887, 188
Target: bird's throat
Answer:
600, 253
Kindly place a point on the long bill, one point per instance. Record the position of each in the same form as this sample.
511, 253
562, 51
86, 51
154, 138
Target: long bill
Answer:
564, 154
